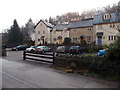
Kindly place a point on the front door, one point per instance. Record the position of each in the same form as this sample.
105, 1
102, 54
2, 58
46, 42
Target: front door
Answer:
43, 41
99, 40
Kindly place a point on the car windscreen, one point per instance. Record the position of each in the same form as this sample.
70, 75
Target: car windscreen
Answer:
75, 47
19, 46
61, 47
33, 47
40, 46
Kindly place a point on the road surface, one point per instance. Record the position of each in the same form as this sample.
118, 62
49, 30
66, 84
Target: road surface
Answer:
29, 74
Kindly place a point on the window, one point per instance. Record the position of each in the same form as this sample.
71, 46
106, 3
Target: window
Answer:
107, 16
78, 19
72, 19
88, 38
114, 37
43, 32
112, 25
111, 38
74, 39
54, 39
75, 30
89, 29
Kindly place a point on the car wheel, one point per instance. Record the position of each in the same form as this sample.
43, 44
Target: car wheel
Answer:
31, 51
16, 49
43, 51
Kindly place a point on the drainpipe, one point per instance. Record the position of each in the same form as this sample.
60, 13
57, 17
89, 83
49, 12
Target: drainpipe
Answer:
51, 35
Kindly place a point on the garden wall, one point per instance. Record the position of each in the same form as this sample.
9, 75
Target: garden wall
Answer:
97, 64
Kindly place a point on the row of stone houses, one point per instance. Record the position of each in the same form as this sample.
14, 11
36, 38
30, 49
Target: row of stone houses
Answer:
101, 29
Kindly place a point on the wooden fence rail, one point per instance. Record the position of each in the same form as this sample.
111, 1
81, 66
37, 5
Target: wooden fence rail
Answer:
32, 56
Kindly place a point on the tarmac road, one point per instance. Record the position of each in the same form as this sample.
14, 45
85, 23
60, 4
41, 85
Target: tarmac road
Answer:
17, 73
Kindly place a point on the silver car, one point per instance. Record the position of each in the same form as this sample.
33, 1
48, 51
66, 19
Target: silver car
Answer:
31, 49
42, 49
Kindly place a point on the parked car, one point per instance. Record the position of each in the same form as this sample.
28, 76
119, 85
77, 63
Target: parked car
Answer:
20, 47
62, 49
31, 49
42, 49
75, 50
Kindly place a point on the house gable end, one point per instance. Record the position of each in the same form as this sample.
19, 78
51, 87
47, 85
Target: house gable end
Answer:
44, 23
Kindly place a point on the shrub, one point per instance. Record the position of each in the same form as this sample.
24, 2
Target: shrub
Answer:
94, 48
67, 40
91, 48
90, 62
113, 51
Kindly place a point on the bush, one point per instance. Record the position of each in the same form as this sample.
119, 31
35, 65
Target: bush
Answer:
94, 48
67, 40
90, 62
113, 51
91, 48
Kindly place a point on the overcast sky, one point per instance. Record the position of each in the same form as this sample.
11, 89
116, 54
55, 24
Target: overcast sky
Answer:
22, 10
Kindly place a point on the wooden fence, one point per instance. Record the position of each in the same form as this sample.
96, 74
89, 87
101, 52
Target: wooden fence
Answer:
39, 56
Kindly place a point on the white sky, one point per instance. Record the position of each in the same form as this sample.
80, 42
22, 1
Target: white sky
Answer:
22, 10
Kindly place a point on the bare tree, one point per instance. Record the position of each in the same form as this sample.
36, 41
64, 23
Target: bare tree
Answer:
90, 13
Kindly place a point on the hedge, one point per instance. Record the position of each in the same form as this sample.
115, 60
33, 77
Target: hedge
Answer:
97, 64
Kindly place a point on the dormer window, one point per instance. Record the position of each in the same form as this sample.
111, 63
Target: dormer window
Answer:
107, 16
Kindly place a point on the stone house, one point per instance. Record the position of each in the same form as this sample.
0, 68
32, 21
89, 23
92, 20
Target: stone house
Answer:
59, 33
43, 33
105, 27
101, 30
81, 31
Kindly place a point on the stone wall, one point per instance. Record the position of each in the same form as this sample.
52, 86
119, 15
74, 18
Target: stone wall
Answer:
81, 62
97, 64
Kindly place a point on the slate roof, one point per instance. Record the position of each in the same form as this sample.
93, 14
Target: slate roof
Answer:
114, 17
83, 23
60, 26
98, 19
46, 23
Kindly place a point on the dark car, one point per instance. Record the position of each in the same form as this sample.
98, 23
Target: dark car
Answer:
20, 47
75, 50
62, 49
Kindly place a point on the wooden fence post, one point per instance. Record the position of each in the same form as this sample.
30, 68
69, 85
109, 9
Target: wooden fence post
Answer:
24, 55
